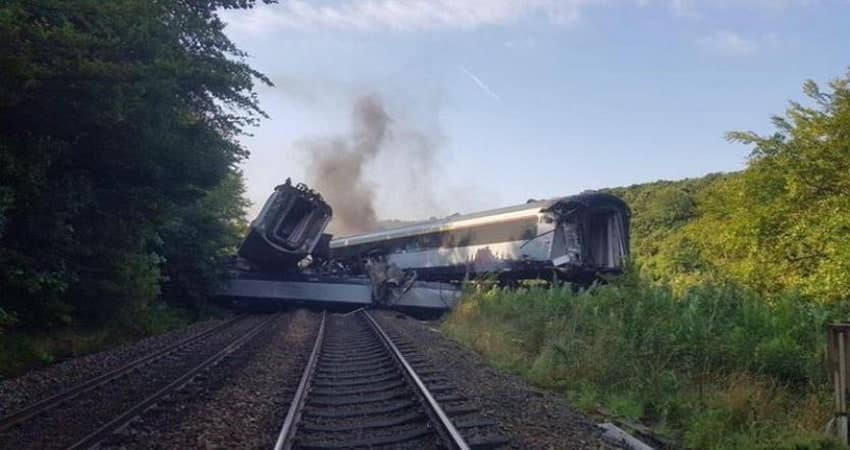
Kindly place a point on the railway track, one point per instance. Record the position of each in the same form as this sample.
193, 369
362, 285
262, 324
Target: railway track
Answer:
359, 390
84, 414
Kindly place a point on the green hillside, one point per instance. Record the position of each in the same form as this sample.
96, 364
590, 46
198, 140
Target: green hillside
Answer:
660, 212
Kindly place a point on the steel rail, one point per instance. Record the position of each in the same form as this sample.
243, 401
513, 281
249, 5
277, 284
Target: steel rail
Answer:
59, 398
444, 421
96, 436
287, 431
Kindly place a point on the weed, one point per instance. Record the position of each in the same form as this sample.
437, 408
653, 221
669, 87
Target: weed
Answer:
715, 366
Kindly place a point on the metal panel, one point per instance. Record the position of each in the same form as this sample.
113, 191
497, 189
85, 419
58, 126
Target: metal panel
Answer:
438, 296
445, 224
343, 293
459, 256
430, 295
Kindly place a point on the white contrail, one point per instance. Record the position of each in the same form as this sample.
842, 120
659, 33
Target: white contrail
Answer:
480, 84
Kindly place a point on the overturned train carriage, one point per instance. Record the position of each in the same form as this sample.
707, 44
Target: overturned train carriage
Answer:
570, 238
287, 230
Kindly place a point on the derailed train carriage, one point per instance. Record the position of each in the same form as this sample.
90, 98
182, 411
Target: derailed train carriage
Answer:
573, 238
288, 228
288, 259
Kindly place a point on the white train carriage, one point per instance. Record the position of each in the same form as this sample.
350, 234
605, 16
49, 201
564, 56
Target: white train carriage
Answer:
577, 237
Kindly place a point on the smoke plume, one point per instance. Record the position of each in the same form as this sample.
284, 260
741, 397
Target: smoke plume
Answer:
336, 167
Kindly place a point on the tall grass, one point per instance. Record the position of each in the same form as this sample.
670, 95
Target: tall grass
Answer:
715, 367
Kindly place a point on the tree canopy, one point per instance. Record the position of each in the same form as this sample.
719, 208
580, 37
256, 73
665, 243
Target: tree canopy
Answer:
781, 224
118, 154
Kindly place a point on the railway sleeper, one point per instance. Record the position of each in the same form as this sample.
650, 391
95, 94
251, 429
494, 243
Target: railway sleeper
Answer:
345, 368
355, 399
350, 375
382, 422
478, 431
358, 440
355, 359
344, 354
359, 396
356, 382
378, 387
388, 408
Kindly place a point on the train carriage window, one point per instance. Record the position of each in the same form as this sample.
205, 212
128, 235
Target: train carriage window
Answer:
448, 239
431, 240
515, 230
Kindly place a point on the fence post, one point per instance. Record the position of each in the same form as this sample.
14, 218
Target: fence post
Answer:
838, 346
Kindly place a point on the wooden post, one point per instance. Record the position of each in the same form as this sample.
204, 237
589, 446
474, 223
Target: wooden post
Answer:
838, 346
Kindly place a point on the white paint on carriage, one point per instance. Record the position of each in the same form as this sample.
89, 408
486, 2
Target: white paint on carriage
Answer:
484, 255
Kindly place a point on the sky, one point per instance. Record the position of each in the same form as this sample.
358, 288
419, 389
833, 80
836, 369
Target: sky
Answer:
528, 99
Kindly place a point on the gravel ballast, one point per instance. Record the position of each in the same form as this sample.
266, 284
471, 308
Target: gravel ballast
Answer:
70, 421
19, 392
241, 403
530, 417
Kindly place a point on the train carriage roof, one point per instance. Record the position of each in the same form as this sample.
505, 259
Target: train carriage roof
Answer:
455, 221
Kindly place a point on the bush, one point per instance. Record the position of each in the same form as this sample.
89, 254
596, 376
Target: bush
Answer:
714, 356
24, 351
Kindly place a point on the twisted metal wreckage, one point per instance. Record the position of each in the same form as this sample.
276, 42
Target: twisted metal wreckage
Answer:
288, 259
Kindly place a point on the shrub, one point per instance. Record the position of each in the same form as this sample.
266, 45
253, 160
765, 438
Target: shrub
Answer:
714, 366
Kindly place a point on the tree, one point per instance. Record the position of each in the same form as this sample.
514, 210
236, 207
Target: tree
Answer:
790, 211
116, 119
781, 224
784, 222
201, 237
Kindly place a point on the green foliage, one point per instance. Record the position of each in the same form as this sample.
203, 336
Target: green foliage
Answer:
661, 211
118, 153
782, 224
791, 208
202, 236
715, 366
20, 352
